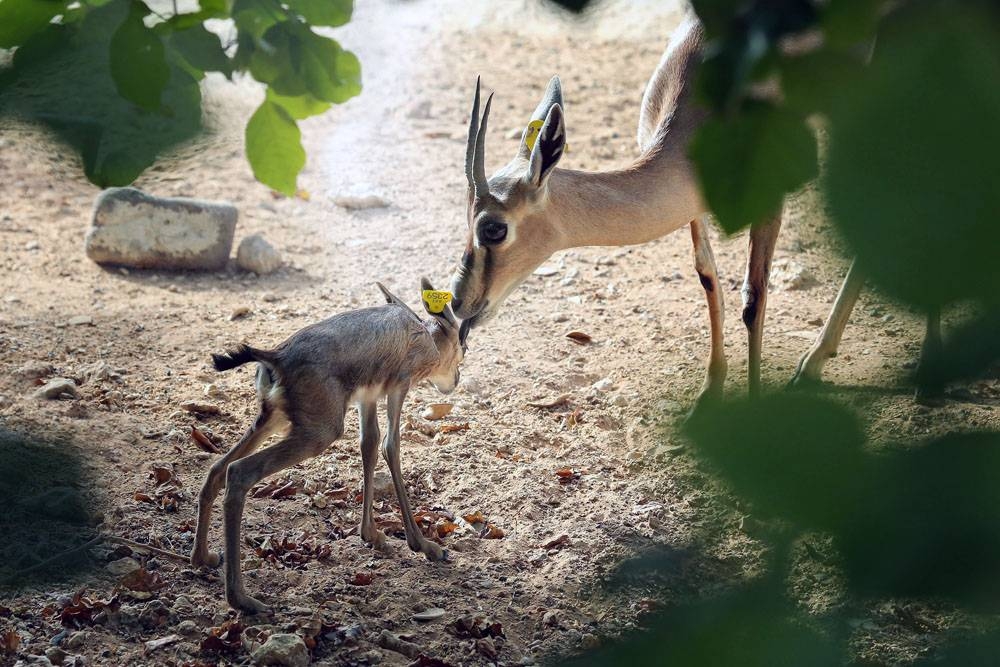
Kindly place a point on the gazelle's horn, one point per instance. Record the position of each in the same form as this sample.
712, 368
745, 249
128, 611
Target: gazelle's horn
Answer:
470, 148
482, 186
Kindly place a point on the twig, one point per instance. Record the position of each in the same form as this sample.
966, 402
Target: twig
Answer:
37, 566
145, 547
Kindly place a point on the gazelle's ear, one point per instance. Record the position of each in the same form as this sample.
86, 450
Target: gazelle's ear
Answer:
552, 96
393, 299
548, 147
436, 302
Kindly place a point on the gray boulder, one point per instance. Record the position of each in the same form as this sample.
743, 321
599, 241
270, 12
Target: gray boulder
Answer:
132, 228
257, 255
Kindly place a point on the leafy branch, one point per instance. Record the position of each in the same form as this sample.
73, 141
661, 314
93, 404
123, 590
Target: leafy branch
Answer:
118, 80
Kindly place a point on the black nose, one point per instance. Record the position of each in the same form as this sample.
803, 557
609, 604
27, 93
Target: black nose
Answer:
456, 304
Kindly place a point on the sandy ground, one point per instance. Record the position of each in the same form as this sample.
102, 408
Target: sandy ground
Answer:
633, 486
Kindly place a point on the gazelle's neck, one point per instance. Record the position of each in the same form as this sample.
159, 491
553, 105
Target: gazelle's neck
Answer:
655, 196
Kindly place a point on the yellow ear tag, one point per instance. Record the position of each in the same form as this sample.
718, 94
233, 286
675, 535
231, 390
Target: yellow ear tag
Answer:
436, 300
531, 135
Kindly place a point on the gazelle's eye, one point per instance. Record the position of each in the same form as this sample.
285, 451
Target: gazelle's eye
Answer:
492, 232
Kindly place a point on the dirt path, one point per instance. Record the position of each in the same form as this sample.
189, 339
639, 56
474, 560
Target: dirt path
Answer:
629, 483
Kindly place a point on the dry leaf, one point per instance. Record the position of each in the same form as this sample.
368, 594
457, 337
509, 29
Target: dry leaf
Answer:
10, 642
143, 497
567, 475
224, 638
579, 337
437, 411
286, 491
161, 474
475, 517
203, 441
143, 580
491, 532
561, 541
361, 579
446, 528
452, 428
554, 403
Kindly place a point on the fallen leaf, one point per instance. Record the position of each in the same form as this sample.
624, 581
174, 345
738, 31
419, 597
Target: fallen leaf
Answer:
437, 411
561, 541
446, 528
579, 337
224, 638
142, 580
161, 474
491, 532
452, 428
475, 517
554, 403
286, 491
143, 497
203, 441
361, 579
10, 642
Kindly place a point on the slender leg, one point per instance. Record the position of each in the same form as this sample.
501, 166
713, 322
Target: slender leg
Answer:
369, 457
704, 264
810, 368
263, 426
762, 242
390, 450
930, 389
240, 477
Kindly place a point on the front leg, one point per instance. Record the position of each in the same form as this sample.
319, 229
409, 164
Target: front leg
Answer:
390, 450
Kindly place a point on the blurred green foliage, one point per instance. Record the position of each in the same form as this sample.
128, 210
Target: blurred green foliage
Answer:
119, 79
908, 96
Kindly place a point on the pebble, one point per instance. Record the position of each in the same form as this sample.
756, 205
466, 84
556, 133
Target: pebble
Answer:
33, 370
187, 627
122, 566
551, 617
589, 642
196, 407
603, 384
362, 201
57, 388
430, 614
80, 320
257, 255
282, 650
32, 245
546, 270
559, 317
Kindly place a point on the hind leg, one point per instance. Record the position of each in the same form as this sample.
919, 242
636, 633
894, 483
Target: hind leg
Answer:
262, 427
704, 264
762, 241
368, 413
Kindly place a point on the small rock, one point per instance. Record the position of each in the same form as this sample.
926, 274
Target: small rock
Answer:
429, 614
154, 644
239, 312
790, 275
257, 255
436, 411
816, 322
98, 372
32, 245
188, 627
603, 385
80, 320
132, 228
56, 655
559, 317
382, 484
123, 566
551, 617
589, 642
486, 647
77, 639
546, 270
360, 201
34, 370
283, 650
57, 388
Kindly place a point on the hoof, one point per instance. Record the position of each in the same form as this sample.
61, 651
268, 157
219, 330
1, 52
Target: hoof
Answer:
248, 605
434, 552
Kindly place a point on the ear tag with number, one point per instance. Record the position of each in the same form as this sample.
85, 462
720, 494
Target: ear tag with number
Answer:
531, 135
436, 300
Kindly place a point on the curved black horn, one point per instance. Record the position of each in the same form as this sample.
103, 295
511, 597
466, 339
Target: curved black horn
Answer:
470, 148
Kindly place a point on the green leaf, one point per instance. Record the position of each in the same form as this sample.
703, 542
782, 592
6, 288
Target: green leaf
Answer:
138, 62
255, 17
201, 49
913, 175
816, 82
299, 107
20, 19
746, 165
323, 12
849, 22
274, 148
293, 61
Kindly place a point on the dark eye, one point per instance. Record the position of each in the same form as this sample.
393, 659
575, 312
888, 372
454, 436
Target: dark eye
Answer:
492, 232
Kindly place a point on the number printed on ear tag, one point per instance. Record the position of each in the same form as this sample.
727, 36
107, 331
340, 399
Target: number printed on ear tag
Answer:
436, 300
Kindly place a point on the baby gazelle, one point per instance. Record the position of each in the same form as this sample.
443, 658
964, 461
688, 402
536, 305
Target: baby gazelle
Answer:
307, 383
